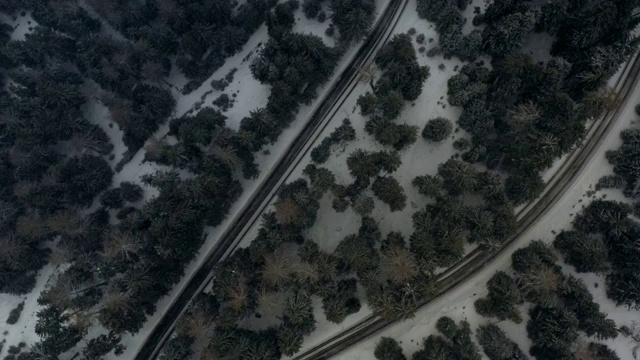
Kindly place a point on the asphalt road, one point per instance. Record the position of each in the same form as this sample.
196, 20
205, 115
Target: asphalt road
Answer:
456, 275
267, 190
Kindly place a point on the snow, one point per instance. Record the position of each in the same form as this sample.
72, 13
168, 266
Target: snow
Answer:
458, 303
22, 25
22, 331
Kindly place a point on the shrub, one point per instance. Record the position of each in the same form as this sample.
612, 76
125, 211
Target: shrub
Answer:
111, 198
14, 315
437, 129
388, 349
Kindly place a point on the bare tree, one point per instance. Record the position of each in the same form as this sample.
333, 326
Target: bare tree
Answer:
153, 149
287, 211
226, 154
270, 303
277, 268
398, 265
116, 301
525, 115
197, 323
121, 244
31, 226
238, 295
541, 285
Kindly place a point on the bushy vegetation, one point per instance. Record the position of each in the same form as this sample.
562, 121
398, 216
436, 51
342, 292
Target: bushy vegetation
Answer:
401, 79
14, 314
523, 115
341, 134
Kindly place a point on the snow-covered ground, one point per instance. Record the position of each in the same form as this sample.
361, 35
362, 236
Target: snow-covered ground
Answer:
458, 303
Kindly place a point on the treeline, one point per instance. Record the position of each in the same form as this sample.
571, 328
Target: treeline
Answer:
199, 34
52, 161
523, 115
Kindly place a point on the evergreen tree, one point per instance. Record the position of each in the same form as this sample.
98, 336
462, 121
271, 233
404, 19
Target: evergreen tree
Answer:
388, 349
437, 129
496, 344
502, 299
552, 331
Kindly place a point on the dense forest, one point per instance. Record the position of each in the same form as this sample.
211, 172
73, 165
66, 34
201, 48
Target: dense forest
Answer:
121, 255
280, 272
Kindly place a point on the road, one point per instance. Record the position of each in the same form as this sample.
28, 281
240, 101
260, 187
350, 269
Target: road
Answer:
267, 190
570, 170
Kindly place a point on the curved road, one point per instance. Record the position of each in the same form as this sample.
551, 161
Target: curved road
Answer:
454, 276
267, 190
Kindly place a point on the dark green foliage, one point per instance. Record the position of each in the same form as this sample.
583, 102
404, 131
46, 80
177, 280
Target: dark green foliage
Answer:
397, 136
552, 331
477, 118
456, 343
178, 348
358, 253
389, 191
458, 177
112, 198
281, 20
428, 185
523, 186
99, 346
601, 352
449, 22
533, 256
363, 164
437, 129
587, 253
341, 302
496, 344
502, 299
606, 238
504, 35
591, 321
401, 72
342, 133
238, 343
321, 153
427, 243
388, 349
625, 159
14, 314
352, 18
402, 78
130, 192
294, 65
83, 178
57, 336
610, 182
